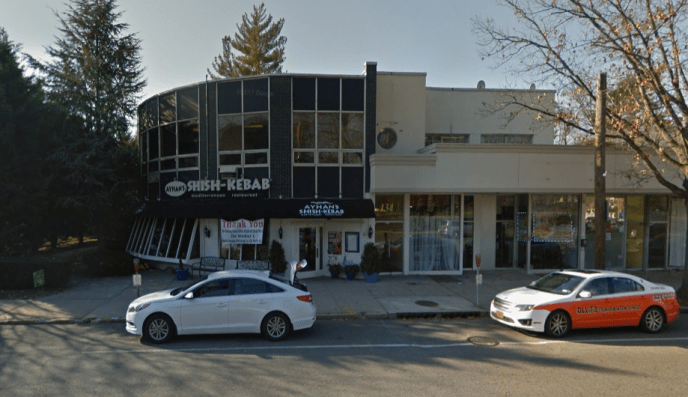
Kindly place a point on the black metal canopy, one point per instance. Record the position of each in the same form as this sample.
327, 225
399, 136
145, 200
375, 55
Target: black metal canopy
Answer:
261, 208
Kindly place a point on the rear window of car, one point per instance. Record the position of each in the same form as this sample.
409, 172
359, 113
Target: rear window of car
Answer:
622, 284
557, 283
248, 286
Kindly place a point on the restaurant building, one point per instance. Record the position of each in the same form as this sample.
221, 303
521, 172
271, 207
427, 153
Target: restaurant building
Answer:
434, 177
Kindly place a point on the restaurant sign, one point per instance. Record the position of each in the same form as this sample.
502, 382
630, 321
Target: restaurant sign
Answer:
321, 209
236, 188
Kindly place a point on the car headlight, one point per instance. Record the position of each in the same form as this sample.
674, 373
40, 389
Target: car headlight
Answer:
525, 308
139, 307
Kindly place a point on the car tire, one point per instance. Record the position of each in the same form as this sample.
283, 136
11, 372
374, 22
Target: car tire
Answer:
652, 320
275, 326
158, 328
558, 324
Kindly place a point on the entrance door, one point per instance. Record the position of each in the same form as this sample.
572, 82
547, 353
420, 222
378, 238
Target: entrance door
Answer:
309, 247
504, 252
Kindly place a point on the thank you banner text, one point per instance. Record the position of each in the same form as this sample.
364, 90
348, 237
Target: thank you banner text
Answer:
242, 231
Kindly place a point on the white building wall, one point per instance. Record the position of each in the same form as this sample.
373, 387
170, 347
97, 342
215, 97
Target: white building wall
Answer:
481, 111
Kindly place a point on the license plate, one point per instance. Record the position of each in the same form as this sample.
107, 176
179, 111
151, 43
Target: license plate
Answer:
499, 315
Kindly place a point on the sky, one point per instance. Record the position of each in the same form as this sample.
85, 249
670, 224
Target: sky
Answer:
180, 38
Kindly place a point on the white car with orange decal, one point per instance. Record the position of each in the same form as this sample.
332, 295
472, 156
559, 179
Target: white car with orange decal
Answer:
570, 299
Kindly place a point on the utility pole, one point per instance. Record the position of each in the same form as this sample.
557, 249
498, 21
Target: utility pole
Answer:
600, 171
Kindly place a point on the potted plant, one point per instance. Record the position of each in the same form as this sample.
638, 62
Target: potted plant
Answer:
335, 269
351, 271
181, 272
370, 263
278, 263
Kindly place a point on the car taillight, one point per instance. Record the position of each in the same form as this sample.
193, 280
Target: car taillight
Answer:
305, 298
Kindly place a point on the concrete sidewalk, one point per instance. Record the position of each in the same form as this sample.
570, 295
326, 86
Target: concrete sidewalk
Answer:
92, 300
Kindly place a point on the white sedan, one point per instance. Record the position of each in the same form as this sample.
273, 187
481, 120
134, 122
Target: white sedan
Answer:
570, 299
233, 301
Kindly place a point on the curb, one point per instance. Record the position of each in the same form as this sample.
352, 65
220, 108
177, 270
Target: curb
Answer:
321, 317
62, 321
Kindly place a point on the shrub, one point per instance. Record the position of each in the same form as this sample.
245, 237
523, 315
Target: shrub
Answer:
278, 263
370, 261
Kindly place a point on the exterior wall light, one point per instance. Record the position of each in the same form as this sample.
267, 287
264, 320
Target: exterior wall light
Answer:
206, 231
280, 232
370, 232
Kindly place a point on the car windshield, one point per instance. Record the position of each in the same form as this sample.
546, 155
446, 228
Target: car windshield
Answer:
176, 291
557, 283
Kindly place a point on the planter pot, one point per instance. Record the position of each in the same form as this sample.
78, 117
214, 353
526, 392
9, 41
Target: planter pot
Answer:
334, 274
370, 278
350, 276
181, 274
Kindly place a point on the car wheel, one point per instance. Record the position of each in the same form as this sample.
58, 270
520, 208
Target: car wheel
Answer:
158, 328
275, 326
652, 320
558, 324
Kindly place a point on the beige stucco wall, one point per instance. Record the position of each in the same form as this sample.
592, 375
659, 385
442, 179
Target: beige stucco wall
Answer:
481, 111
401, 106
504, 169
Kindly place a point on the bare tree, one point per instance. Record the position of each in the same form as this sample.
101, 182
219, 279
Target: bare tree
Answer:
640, 44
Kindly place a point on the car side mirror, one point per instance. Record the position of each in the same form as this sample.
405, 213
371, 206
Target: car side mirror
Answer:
189, 295
585, 294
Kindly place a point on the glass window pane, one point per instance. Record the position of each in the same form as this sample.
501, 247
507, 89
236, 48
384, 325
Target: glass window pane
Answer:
635, 240
304, 157
256, 95
150, 113
303, 93
432, 247
187, 103
153, 144
389, 207
658, 245
328, 94
303, 131
168, 140
352, 130
328, 130
256, 131
230, 159
168, 108
229, 132
554, 231
256, 158
352, 94
143, 144
389, 242
188, 137
188, 162
166, 165
429, 204
352, 158
328, 182
659, 208
229, 97
635, 208
328, 157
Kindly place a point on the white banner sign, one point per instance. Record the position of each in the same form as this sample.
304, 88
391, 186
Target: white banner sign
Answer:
242, 231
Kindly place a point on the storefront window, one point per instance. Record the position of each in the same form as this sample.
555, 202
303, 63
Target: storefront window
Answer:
614, 231
389, 231
433, 247
554, 231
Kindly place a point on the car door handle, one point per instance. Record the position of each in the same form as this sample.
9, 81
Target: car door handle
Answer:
262, 302
221, 304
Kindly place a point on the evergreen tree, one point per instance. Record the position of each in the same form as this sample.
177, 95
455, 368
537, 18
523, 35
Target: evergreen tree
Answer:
25, 144
260, 46
95, 77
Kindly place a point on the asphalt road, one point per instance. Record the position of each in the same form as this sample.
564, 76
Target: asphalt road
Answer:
346, 358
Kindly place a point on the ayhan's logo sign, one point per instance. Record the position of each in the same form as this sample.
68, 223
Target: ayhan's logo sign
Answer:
178, 188
175, 189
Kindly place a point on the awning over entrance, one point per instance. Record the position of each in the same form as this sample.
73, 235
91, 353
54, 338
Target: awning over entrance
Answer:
261, 208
